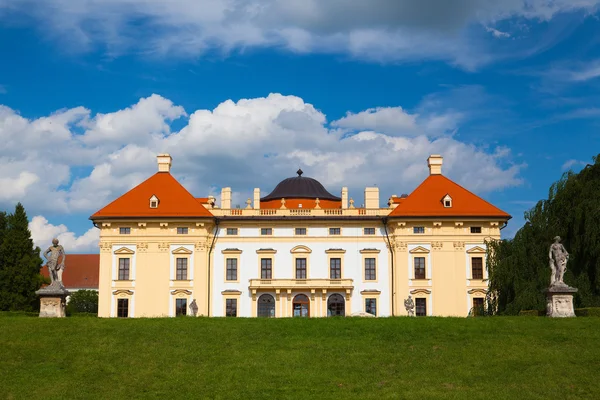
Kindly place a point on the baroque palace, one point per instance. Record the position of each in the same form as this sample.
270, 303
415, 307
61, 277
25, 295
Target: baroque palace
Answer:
298, 251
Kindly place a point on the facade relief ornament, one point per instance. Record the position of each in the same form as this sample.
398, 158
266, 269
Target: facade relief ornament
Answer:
163, 247
200, 246
459, 245
142, 247
105, 247
437, 245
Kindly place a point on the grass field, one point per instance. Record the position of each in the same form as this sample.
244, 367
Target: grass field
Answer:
416, 358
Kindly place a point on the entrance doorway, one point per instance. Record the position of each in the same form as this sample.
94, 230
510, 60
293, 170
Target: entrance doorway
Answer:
266, 306
336, 306
301, 306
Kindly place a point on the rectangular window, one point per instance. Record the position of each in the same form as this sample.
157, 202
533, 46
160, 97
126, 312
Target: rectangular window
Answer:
122, 308
300, 231
475, 229
369, 231
180, 307
231, 307
418, 229
421, 307
300, 268
370, 274
477, 267
335, 268
124, 269
181, 269
419, 267
124, 231
266, 231
232, 231
266, 268
371, 306
478, 306
335, 231
231, 274
182, 230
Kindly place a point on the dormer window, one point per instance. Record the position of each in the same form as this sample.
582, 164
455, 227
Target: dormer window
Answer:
153, 202
447, 201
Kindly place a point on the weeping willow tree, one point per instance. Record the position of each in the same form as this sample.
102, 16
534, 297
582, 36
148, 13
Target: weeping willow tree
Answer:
518, 268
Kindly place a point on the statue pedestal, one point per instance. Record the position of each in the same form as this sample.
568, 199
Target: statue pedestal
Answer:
559, 301
53, 301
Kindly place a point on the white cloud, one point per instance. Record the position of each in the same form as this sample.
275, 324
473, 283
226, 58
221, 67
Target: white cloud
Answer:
42, 233
572, 163
63, 163
375, 29
497, 33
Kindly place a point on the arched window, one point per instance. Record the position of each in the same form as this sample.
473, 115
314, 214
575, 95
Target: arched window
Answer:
336, 306
301, 306
266, 306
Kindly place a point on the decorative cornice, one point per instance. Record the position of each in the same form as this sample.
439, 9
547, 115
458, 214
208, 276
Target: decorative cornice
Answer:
266, 251
419, 249
124, 250
181, 291
231, 251
370, 251
370, 291
122, 291
335, 251
301, 249
420, 291
182, 250
476, 249
231, 292
480, 291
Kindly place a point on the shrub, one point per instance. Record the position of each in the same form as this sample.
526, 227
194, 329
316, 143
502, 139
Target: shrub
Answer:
531, 313
588, 312
83, 301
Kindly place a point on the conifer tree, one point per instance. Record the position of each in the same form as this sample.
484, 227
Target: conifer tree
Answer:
21, 263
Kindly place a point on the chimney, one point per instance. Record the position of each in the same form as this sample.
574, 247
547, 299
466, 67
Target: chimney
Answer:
435, 164
372, 197
164, 162
226, 198
344, 197
256, 198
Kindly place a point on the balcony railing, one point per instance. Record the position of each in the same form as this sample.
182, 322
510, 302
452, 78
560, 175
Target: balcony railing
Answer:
301, 283
300, 212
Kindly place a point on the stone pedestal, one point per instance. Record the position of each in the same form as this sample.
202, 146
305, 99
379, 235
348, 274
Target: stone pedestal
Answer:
559, 301
53, 301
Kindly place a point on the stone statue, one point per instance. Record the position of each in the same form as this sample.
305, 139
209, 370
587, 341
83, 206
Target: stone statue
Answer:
558, 262
409, 304
193, 308
55, 263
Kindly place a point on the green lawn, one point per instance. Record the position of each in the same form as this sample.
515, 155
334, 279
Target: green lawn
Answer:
413, 358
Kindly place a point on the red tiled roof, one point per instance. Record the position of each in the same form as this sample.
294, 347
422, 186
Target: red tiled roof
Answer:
174, 201
81, 271
426, 201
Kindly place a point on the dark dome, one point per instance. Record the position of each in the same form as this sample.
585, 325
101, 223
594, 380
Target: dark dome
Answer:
300, 187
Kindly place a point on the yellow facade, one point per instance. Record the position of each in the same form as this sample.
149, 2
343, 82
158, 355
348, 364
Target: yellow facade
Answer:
342, 260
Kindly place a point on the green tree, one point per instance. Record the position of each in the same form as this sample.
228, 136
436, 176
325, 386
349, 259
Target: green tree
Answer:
83, 301
519, 268
21, 263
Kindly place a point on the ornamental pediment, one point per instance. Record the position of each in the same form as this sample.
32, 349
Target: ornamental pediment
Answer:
476, 249
181, 250
419, 250
301, 249
420, 291
124, 250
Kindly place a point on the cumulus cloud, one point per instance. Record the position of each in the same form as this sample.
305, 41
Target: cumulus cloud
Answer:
42, 233
572, 163
374, 29
73, 161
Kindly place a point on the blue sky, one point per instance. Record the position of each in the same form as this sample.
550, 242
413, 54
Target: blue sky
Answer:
241, 93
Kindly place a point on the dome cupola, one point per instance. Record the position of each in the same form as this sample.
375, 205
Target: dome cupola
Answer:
300, 187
